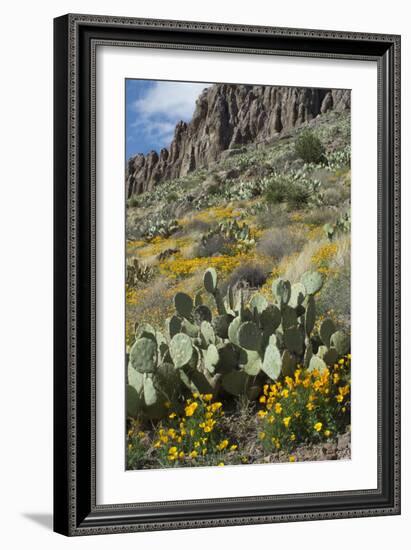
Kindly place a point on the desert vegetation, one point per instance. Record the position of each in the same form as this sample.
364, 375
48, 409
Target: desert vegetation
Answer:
238, 306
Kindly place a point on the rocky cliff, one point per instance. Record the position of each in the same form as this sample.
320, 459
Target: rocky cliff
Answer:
227, 116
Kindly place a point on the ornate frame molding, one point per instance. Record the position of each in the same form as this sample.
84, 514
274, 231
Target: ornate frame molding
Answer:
76, 40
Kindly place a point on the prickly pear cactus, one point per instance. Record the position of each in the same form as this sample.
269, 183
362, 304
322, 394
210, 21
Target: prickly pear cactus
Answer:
233, 348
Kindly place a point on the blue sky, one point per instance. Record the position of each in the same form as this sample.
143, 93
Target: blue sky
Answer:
153, 108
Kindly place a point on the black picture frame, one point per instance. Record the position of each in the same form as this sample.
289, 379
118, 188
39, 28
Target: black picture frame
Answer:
75, 40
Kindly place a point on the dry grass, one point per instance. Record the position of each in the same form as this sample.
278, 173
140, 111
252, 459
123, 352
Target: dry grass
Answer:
320, 216
302, 261
280, 242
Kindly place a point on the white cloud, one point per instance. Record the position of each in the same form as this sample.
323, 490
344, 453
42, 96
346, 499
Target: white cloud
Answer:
174, 100
162, 107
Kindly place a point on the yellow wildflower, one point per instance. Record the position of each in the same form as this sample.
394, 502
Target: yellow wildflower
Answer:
292, 458
318, 426
172, 453
191, 409
286, 421
278, 408
221, 446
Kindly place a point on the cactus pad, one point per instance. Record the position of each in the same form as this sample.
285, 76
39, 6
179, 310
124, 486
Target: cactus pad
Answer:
220, 324
233, 330
210, 280
309, 315
272, 363
341, 342
327, 329
289, 363
294, 340
202, 313
150, 394
133, 401
316, 363
312, 281
289, 317
173, 325
270, 319
249, 336
183, 304
143, 355
211, 358
281, 289
258, 302
207, 333
145, 330
181, 350
235, 382
297, 295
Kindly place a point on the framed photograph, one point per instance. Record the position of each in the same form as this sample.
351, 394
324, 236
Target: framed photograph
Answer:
227, 276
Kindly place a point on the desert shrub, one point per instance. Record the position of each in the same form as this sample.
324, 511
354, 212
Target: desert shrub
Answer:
320, 216
298, 196
133, 202
250, 274
309, 407
272, 215
214, 189
195, 226
334, 196
336, 296
277, 190
279, 242
283, 189
309, 147
296, 188
172, 196
336, 293
215, 244
339, 158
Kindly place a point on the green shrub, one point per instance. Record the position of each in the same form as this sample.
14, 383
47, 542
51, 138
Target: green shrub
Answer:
277, 190
309, 147
285, 189
172, 196
133, 202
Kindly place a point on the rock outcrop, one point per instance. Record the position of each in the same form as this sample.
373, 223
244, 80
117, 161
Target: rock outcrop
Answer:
228, 116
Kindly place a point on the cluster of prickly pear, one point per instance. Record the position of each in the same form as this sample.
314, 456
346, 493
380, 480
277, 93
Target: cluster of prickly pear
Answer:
232, 231
342, 225
160, 228
237, 349
152, 379
137, 272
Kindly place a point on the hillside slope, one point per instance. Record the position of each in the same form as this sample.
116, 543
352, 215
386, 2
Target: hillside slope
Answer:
227, 116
